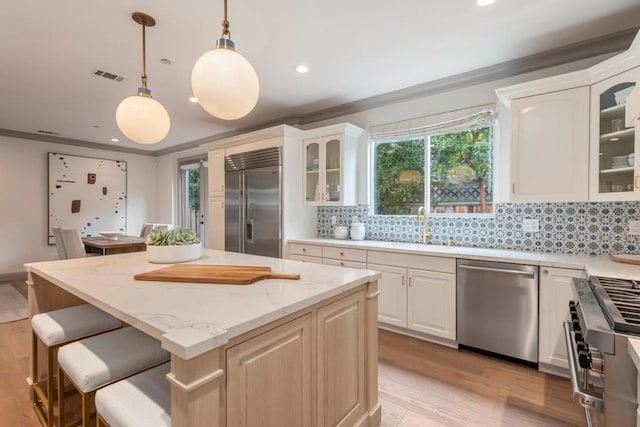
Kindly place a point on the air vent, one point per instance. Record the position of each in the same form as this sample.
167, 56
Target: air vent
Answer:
48, 132
108, 75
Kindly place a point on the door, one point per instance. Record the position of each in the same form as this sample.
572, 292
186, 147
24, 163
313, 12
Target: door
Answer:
432, 303
232, 211
262, 218
392, 303
192, 206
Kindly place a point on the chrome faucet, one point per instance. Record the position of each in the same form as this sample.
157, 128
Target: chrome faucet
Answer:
425, 229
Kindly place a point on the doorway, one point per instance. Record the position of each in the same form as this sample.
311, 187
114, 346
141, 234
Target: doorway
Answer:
192, 196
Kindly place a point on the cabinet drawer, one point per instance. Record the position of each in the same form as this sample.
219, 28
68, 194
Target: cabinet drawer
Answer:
422, 262
357, 255
306, 258
301, 249
351, 264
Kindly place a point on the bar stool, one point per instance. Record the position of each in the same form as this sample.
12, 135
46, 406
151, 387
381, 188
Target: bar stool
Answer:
143, 400
55, 329
95, 362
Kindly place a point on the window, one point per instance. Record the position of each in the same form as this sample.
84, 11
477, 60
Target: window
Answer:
456, 163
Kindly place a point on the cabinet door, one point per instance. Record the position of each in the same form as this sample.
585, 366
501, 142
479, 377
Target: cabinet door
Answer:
215, 238
269, 378
341, 362
333, 157
615, 172
555, 293
432, 303
313, 176
550, 146
216, 173
392, 301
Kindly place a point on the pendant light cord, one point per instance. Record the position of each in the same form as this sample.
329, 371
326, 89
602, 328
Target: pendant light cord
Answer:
144, 57
225, 23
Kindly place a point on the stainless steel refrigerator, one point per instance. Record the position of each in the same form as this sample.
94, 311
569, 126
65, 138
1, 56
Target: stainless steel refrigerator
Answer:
253, 202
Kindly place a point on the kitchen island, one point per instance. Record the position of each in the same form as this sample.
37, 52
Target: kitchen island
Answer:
273, 353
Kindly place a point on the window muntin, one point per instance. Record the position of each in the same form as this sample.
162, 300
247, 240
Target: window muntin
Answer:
458, 170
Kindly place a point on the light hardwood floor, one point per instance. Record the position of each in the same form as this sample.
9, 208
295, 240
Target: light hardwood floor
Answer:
421, 384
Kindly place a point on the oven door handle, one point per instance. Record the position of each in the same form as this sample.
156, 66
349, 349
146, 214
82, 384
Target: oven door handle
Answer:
585, 398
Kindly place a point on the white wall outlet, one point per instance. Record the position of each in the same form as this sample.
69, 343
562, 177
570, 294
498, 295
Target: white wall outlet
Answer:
634, 227
530, 225
334, 219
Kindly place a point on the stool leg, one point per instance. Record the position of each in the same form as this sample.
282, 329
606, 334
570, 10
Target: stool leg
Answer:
50, 389
61, 418
86, 408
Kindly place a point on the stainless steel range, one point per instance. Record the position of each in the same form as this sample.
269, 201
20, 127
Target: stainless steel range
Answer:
603, 376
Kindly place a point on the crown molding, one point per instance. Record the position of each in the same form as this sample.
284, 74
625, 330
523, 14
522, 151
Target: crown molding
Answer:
75, 142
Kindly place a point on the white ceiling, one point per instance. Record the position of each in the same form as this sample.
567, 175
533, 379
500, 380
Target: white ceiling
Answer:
355, 49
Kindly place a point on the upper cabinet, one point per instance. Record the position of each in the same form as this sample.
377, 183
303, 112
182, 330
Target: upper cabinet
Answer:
550, 146
216, 173
613, 145
329, 162
566, 138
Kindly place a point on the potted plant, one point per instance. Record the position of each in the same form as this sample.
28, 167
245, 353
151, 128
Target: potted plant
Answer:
171, 246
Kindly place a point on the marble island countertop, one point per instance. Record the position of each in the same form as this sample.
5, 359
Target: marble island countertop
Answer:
193, 318
600, 265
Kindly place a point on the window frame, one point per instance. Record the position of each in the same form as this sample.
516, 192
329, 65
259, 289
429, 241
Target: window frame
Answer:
426, 136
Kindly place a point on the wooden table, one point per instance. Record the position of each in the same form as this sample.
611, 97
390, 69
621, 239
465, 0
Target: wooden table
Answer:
106, 246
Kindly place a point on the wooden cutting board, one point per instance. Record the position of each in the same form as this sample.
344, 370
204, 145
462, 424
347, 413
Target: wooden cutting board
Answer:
214, 274
627, 259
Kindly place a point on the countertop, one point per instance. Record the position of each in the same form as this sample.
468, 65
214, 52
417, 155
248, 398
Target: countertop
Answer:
193, 318
600, 265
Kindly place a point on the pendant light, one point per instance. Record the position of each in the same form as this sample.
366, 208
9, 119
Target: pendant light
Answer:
223, 81
140, 117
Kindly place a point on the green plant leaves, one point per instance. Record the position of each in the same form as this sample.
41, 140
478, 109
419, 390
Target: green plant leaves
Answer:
176, 237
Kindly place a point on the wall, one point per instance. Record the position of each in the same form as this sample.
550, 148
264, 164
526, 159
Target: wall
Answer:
23, 197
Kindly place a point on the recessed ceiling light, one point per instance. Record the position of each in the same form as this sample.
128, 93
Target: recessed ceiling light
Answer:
485, 2
302, 69
166, 61
193, 99
115, 140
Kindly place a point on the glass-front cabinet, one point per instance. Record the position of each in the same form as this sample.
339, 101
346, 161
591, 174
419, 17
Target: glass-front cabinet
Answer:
323, 170
330, 165
614, 170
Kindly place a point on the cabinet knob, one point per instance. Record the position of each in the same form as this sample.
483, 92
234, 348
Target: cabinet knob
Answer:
304, 249
402, 280
341, 253
409, 281
545, 272
341, 263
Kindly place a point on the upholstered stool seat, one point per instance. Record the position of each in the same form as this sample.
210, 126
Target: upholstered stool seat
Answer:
143, 400
55, 329
98, 361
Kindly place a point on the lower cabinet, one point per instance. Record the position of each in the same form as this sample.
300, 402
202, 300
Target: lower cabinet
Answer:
555, 294
419, 300
271, 377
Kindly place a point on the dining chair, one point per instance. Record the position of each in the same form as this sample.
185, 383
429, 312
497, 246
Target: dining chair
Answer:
146, 229
73, 243
57, 235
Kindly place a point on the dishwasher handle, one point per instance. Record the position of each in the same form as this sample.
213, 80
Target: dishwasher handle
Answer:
530, 274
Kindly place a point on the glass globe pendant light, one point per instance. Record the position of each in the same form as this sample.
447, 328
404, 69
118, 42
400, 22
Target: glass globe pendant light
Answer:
223, 81
140, 117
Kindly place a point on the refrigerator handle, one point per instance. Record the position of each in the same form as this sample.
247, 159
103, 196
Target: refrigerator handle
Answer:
241, 212
249, 231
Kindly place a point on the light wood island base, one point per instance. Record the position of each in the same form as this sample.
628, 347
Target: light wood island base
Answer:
315, 367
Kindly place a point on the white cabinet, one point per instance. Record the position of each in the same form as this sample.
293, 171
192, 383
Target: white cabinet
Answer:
549, 146
216, 173
413, 298
329, 162
615, 173
432, 303
555, 294
215, 237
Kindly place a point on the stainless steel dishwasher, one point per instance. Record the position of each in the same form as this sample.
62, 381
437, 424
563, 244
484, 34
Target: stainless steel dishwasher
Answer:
497, 308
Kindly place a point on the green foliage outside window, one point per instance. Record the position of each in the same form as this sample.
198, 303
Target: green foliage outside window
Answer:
396, 191
193, 179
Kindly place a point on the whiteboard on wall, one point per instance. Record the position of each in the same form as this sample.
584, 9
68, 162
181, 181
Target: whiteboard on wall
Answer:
87, 194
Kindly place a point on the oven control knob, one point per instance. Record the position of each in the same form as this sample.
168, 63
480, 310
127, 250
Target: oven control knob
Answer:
578, 337
582, 346
574, 315
584, 359
576, 325
572, 305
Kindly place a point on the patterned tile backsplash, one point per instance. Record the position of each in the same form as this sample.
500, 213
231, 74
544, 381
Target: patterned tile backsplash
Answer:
591, 227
